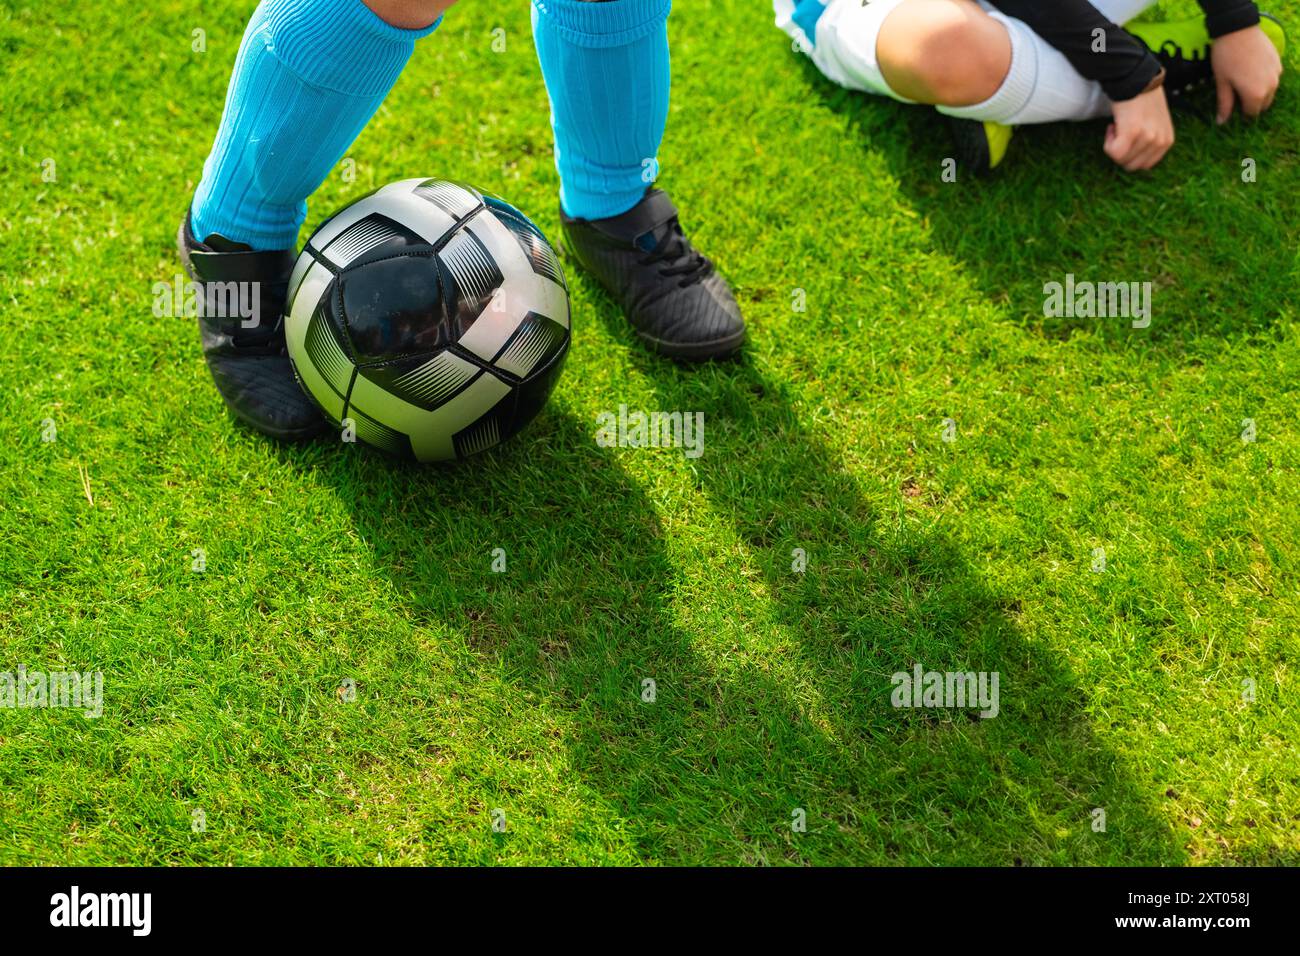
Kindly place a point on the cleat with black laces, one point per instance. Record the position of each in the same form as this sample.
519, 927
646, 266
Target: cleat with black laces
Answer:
241, 322
676, 301
1183, 48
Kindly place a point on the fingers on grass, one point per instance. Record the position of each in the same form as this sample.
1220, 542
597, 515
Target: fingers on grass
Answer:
1223, 90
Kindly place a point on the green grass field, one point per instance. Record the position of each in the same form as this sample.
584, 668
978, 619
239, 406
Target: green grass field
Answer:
329, 566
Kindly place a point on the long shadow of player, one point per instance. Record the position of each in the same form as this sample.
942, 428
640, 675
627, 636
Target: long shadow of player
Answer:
718, 763
878, 595
732, 747
575, 622
738, 734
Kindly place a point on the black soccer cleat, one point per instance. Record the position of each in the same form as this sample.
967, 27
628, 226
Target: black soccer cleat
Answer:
676, 301
1183, 48
981, 144
241, 322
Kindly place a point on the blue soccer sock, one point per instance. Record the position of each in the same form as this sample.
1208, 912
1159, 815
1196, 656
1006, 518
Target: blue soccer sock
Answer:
308, 77
606, 70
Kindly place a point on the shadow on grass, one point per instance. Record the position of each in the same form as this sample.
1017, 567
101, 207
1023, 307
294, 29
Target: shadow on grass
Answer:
713, 770
1212, 245
882, 593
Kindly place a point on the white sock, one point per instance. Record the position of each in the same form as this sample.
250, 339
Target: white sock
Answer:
1041, 86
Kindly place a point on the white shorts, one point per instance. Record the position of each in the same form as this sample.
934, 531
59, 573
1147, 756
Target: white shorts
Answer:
842, 42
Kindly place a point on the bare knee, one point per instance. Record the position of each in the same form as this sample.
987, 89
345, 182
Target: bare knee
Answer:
409, 14
943, 52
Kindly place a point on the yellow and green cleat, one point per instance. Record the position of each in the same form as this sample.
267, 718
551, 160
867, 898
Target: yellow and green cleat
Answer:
981, 144
1183, 48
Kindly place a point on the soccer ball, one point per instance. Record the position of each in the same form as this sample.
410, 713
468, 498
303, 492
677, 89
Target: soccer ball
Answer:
428, 319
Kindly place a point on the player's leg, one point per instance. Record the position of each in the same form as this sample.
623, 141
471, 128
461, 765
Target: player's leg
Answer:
1040, 85
952, 53
968, 60
949, 52
606, 68
973, 61
987, 71
308, 76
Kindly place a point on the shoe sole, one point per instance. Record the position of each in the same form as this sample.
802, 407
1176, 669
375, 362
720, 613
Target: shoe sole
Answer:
714, 350
279, 434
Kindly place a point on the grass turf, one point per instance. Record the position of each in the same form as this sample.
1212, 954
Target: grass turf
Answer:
330, 566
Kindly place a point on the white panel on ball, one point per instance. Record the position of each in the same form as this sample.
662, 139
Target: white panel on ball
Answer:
431, 433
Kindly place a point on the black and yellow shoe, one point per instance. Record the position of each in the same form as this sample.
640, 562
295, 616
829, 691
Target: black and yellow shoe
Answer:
981, 144
1183, 48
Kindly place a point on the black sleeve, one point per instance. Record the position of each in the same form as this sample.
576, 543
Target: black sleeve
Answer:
1228, 16
1126, 67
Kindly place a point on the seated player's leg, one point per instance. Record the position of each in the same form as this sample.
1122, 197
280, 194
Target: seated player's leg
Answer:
1037, 83
308, 76
1042, 86
968, 60
943, 52
605, 63
987, 71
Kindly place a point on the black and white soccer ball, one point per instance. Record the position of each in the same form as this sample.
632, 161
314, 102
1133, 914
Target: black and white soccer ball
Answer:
428, 319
